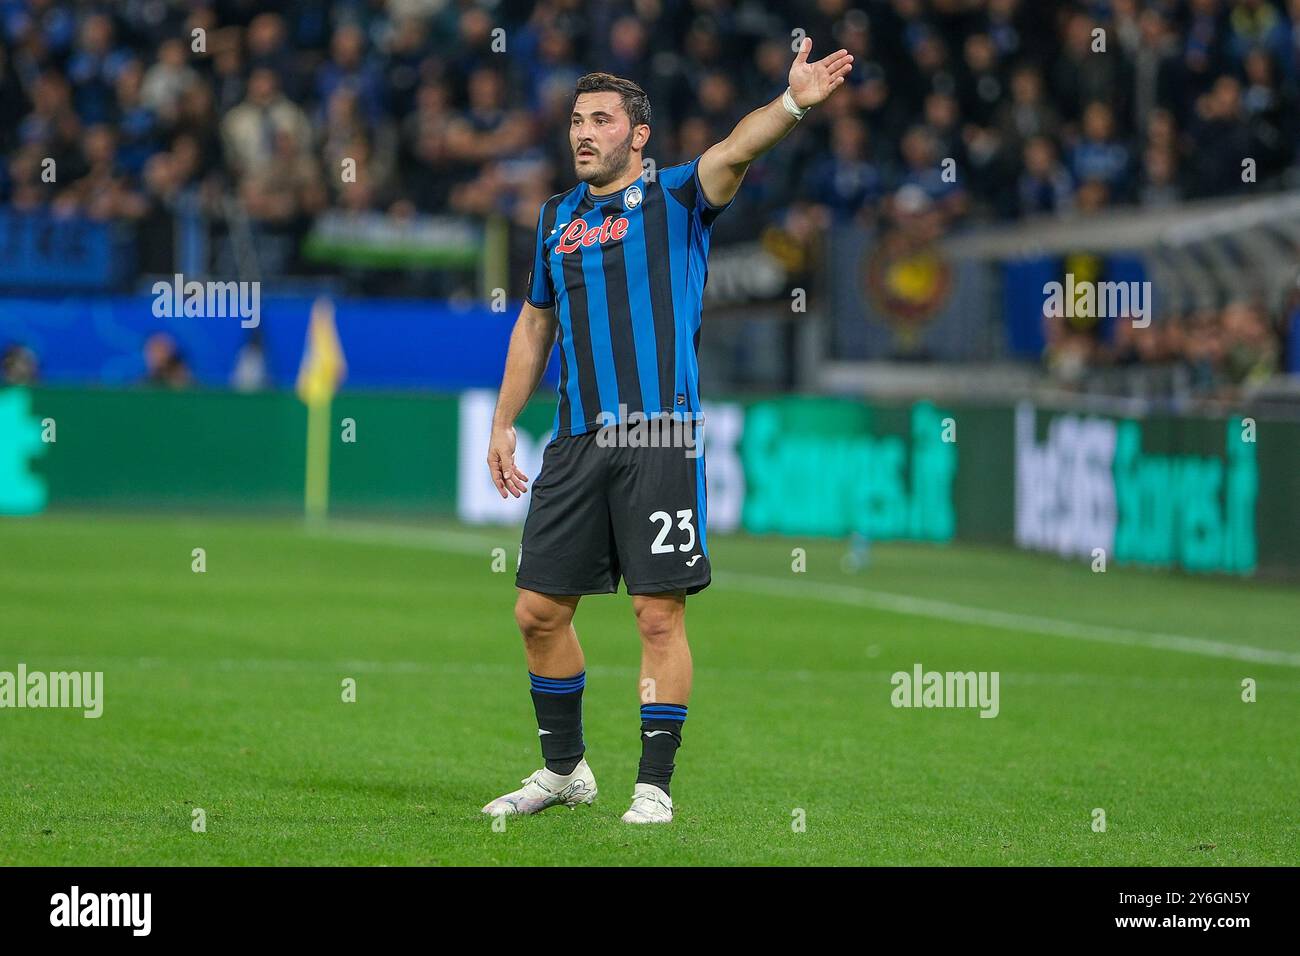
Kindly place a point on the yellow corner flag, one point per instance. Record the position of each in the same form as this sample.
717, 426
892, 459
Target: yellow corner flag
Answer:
322, 358
319, 375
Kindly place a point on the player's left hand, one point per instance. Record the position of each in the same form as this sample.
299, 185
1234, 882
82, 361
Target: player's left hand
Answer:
501, 463
812, 83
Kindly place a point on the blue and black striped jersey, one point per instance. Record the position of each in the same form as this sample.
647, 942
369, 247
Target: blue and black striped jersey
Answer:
625, 273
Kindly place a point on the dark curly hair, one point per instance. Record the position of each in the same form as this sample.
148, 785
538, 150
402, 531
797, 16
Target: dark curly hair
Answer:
635, 101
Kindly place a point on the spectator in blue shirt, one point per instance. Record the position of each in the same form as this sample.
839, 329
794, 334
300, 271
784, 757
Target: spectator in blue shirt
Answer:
846, 181
1099, 156
1045, 185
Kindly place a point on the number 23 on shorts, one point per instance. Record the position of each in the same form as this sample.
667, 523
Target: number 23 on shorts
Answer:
660, 545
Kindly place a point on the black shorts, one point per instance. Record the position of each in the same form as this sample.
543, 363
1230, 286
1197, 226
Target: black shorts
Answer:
604, 511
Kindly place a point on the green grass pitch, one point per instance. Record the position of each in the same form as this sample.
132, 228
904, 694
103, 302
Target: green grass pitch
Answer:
1120, 691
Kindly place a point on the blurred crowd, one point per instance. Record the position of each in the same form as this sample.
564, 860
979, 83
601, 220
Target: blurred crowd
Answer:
163, 361
1207, 353
969, 110
462, 106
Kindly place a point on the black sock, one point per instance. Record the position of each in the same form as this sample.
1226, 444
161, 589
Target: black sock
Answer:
558, 705
661, 735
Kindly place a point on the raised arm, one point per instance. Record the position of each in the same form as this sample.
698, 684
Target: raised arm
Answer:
530, 347
723, 165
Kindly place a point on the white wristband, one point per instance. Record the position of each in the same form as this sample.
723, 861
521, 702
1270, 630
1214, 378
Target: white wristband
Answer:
791, 107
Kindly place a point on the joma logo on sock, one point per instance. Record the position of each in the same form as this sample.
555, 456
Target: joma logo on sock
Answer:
946, 689
103, 909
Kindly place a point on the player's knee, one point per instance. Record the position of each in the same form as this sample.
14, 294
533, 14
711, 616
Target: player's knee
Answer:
659, 625
538, 619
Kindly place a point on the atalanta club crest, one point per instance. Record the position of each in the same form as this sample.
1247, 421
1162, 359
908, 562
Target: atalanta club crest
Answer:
632, 197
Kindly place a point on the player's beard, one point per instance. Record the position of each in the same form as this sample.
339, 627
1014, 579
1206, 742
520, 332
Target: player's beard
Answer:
604, 173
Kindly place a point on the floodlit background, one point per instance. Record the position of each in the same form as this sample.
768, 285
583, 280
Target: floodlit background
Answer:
1001, 360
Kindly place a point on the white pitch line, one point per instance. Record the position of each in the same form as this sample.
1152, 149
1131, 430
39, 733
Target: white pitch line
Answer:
1004, 620
460, 542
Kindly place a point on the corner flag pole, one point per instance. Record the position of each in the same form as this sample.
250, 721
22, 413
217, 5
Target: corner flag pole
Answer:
318, 379
316, 497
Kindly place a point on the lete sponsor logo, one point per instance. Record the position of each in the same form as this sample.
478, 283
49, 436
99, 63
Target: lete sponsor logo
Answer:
578, 234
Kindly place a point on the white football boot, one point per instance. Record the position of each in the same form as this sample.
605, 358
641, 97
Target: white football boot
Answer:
546, 789
649, 805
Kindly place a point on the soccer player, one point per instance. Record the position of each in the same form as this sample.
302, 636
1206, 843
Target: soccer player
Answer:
618, 272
